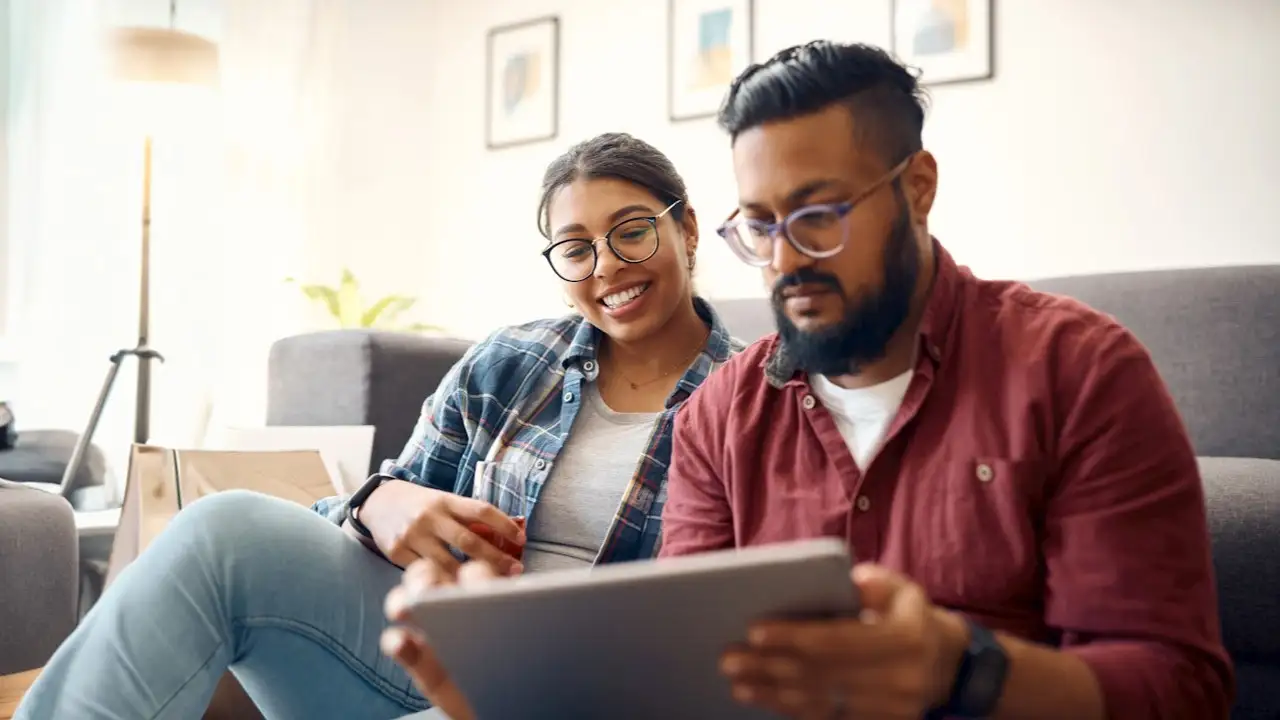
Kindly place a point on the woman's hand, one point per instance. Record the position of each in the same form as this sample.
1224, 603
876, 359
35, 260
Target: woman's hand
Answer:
410, 649
409, 522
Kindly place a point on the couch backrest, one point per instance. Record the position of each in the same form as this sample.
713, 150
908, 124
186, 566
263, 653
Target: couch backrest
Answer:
1214, 333
358, 377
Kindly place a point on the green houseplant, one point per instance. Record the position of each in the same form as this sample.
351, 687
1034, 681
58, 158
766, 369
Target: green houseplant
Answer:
347, 307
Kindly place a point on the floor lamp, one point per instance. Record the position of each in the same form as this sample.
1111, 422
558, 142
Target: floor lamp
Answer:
155, 57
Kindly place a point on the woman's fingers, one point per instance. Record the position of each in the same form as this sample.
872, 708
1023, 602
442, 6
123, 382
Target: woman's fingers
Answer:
470, 510
476, 547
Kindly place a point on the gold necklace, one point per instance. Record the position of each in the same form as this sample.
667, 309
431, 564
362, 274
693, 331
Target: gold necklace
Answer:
679, 366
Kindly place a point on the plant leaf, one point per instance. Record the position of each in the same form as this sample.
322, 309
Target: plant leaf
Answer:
423, 327
348, 300
321, 294
386, 310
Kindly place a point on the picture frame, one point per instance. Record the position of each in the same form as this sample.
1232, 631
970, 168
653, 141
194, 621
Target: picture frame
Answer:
949, 41
522, 83
709, 42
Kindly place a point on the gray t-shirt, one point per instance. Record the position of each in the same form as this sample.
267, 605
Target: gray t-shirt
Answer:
581, 497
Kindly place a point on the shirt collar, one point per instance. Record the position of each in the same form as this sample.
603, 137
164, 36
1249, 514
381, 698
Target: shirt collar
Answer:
586, 342
935, 324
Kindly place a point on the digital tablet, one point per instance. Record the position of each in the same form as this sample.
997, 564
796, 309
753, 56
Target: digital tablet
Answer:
632, 640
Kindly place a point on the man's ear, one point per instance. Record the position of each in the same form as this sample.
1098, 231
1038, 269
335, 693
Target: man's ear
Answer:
921, 183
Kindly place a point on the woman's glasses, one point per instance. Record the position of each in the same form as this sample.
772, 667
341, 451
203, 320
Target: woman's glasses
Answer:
631, 241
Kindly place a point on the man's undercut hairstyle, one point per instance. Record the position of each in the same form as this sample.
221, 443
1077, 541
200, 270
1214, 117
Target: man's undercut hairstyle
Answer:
883, 95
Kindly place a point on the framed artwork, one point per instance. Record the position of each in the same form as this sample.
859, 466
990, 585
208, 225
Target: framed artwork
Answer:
522, 71
708, 44
950, 41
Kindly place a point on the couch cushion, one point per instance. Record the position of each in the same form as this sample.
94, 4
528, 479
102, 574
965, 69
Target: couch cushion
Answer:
358, 377
748, 319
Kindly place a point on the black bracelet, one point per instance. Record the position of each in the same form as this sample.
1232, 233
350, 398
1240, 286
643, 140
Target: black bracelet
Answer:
358, 498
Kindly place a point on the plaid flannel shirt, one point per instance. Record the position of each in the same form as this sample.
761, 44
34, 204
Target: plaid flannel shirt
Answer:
512, 399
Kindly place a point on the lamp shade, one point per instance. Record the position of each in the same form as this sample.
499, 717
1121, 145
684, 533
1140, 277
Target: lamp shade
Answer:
161, 55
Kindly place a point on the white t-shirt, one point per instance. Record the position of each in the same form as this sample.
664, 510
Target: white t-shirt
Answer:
862, 415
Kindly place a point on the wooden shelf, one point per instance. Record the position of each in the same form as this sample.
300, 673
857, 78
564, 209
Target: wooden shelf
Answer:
12, 688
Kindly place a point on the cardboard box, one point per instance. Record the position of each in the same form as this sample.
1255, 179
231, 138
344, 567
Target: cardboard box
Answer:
162, 481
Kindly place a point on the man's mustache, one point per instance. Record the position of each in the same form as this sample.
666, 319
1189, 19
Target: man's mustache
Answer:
804, 276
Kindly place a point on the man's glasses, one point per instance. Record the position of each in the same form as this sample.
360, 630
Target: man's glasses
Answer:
815, 231
631, 241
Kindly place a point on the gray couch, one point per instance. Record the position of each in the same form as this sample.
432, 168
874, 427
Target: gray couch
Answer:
39, 575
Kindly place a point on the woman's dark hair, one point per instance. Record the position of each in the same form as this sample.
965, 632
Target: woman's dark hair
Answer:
614, 155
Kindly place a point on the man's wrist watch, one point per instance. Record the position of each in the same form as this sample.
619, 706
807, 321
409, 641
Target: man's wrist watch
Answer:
980, 679
358, 498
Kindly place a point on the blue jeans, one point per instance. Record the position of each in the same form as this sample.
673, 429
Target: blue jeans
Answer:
286, 599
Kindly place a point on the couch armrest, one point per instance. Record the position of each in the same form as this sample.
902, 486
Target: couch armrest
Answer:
1243, 499
39, 575
358, 377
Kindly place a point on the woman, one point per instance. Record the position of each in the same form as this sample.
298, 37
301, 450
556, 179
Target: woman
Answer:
575, 412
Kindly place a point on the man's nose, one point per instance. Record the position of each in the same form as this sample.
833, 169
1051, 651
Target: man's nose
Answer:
786, 259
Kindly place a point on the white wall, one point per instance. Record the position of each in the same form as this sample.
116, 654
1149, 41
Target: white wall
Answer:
7, 286
1117, 134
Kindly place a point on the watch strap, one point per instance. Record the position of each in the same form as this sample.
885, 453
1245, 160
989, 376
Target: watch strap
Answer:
980, 678
357, 499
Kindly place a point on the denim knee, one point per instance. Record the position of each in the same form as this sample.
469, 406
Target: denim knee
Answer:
235, 524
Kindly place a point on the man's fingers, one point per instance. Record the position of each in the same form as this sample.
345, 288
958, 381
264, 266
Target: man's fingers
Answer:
428, 573
472, 510
878, 587
473, 573
396, 604
849, 640
415, 656
777, 682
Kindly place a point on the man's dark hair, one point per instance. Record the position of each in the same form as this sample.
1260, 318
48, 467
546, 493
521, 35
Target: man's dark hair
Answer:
614, 155
883, 95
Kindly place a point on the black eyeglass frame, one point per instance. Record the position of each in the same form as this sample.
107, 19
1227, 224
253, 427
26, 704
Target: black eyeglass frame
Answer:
733, 223
608, 241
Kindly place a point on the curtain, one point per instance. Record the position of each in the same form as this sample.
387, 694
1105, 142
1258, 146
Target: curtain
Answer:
241, 178
71, 219
283, 94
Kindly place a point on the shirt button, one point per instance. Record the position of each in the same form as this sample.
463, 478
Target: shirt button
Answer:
808, 402
540, 464
589, 365
863, 503
568, 397
984, 472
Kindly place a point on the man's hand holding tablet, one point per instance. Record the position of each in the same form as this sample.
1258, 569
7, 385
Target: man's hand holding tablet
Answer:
881, 663
407, 646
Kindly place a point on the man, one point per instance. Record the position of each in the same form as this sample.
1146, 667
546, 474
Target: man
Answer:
1008, 465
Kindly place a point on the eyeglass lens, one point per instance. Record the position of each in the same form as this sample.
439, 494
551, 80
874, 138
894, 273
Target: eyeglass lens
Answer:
634, 241
816, 229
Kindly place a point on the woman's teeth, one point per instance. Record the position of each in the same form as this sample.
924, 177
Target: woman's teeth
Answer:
618, 299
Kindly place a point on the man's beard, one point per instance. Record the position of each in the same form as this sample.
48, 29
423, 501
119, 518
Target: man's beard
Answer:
860, 337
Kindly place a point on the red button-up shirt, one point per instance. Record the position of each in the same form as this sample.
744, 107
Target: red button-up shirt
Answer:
1037, 478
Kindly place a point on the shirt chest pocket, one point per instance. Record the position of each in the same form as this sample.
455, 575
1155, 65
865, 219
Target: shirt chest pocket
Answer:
978, 533
504, 485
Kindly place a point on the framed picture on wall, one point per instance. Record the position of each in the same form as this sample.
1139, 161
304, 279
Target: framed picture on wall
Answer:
950, 41
522, 70
708, 44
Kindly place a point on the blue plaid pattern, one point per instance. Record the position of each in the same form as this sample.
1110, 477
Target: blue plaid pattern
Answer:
512, 399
